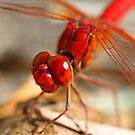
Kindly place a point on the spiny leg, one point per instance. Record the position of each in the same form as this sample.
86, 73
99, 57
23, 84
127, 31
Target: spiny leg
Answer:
83, 105
66, 109
109, 87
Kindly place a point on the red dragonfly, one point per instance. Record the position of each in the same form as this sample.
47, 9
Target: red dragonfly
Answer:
78, 45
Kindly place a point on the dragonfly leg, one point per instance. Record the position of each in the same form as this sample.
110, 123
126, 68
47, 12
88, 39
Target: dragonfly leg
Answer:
80, 130
83, 105
109, 87
29, 108
66, 109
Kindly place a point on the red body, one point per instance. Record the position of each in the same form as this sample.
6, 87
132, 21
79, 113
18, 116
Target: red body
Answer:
76, 48
78, 45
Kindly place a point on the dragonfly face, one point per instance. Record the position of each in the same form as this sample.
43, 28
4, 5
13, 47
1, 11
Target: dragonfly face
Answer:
50, 72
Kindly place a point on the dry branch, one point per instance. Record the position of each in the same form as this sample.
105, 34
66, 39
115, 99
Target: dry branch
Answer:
94, 128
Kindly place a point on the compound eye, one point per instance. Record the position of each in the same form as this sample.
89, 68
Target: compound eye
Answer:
61, 71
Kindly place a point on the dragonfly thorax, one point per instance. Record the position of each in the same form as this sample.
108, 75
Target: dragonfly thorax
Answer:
76, 40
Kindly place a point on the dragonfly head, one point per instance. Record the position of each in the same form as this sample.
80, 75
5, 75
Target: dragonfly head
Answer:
51, 72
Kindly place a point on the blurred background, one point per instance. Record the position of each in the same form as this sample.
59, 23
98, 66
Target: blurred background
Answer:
22, 37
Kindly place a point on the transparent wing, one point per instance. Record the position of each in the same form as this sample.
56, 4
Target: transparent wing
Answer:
129, 28
120, 47
57, 9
